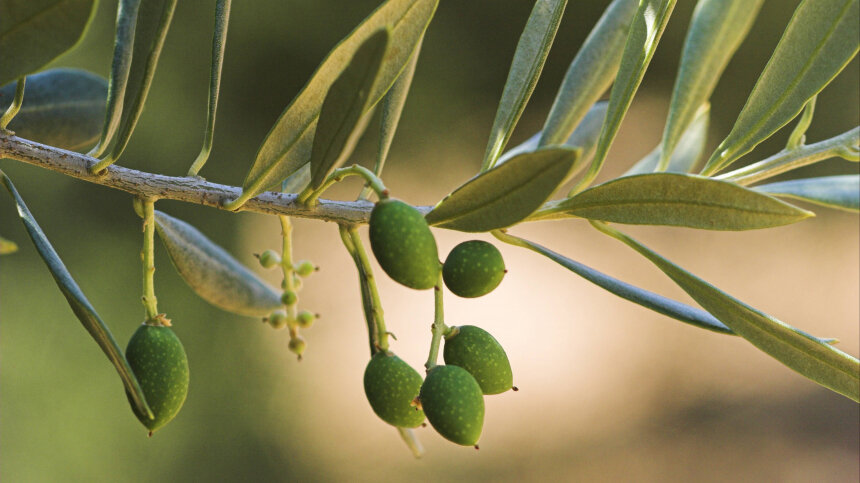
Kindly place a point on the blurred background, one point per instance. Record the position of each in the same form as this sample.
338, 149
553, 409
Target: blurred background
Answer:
609, 391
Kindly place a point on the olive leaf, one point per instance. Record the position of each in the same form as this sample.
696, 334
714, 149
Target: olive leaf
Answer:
591, 72
7, 246
657, 303
716, 31
507, 193
213, 273
345, 104
62, 108
78, 302
289, 143
685, 152
529, 58
840, 192
583, 137
681, 200
810, 356
35, 32
645, 32
819, 41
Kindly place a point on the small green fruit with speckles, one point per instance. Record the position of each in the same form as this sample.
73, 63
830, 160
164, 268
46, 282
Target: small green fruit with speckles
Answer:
278, 319
454, 405
158, 360
297, 346
269, 259
391, 385
403, 244
475, 350
289, 297
305, 268
473, 268
305, 319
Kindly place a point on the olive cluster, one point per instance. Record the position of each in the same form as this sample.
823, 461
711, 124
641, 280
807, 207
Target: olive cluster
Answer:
289, 316
451, 395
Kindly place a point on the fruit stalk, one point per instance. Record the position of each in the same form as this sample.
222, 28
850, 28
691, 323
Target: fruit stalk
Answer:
287, 268
147, 255
13, 108
438, 328
376, 330
309, 196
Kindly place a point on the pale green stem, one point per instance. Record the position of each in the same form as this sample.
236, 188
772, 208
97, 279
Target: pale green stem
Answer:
13, 108
438, 328
798, 135
309, 196
219, 43
373, 313
147, 255
844, 145
287, 267
412, 441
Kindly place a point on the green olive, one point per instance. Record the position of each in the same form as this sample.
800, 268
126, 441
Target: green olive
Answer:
473, 268
403, 244
454, 404
391, 385
475, 350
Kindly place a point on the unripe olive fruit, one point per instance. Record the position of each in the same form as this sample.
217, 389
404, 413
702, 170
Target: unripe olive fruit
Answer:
391, 385
158, 360
403, 244
454, 404
278, 319
475, 350
289, 297
269, 259
473, 268
297, 346
305, 319
305, 268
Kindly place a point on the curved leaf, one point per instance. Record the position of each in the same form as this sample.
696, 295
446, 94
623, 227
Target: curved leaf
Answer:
529, 58
507, 193
288, 145
682, 200
35, 32
716, 31
820, 40
645, 32
583, 137
840, 192
213, 273
345, 104
62, 108
810, 356
82, 308
686, 151
591, 72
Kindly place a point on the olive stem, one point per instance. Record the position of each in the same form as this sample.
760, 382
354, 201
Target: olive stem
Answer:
13, 108
287, 267
147, 255
309, 196
438, 328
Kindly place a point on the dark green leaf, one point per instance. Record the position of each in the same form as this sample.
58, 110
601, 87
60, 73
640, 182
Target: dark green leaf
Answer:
526, 67
507, 193
682, 200
213, 273
841, 192
35, 32
591, 72
810, 356
345, 104
63, 108
716, 31
288, 145
685, 152
78, 301
820, 40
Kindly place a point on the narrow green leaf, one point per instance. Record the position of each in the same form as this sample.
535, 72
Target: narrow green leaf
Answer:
682, 200
583, 137
645, 32
82, 308
288, 145
716, 31
35, 32
526, 67
62, 108
820, 40
345, 104
686, 151
591, 72
298, 181
810, 356
657, 303
840, 192
212, 273
7, 246
507, 193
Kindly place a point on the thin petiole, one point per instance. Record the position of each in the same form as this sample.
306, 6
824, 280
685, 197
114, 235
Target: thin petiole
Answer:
13, 108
